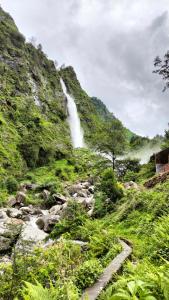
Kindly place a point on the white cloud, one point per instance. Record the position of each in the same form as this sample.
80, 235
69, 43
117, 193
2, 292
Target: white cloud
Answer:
112, 45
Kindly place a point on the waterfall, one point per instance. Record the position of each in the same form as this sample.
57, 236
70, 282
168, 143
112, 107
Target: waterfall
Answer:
73, 119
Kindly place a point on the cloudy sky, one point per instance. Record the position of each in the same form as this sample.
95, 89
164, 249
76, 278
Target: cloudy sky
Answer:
112, 45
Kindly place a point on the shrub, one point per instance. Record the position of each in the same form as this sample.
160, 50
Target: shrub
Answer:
88, 273
11, 184
74, 217
38, 292
160, 247
109, 185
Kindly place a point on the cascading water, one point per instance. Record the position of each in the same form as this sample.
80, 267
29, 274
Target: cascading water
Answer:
73, 119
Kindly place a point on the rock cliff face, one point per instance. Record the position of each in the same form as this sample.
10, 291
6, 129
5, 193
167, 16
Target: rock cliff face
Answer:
33, 110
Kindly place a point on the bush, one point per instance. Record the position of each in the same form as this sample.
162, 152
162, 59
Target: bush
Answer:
74, 217
11, 184
109, 185
38, 292
88, 273
160, 247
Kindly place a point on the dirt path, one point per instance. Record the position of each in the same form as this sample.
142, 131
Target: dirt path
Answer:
93, 292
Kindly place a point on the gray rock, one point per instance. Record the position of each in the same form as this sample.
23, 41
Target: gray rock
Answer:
47, 222
91, 189
50, 222
40, 222
26, 218
5, 244
3, 215
54, 210
60, 199
26, 210
86, 184
12, 201
20, 197
45, 194
37, 211
14, 213
90, 212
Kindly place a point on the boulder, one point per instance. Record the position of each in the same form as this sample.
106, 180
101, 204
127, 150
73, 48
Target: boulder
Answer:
12, 201
31, 186
37, 211
3, 215
90, 212
86, 184
131, 185
14, 213
75, 188
88, 202
40, 222
20, 197
47, 222
5, 244
82, 194
26, 218
26, 210
45, 194
91, 189
54, 210
50, 222
58, 198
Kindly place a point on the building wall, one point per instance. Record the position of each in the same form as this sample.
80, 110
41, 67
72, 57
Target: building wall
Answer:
161, 168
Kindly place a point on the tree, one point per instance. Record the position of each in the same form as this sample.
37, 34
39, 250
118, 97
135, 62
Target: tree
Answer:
111, 139
162, 68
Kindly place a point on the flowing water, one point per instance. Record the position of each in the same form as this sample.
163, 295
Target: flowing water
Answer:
73, 119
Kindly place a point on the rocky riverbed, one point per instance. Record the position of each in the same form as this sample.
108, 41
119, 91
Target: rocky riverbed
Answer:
27, 223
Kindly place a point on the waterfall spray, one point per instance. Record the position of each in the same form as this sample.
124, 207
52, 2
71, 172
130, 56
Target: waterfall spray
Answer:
73, 119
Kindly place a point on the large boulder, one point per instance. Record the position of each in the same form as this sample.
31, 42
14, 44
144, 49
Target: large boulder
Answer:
5, 244
45, 194
54, 210
14, 213
47, 222
50, 222
59, 199
20, 197
12, 201
26, 210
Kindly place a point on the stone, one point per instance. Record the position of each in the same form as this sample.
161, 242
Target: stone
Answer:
90, 212
91, 189
3, 215
20, 197
12, 201
26, 210
40, 222
131, 185
26, 218
75, 188
82, 194
86, 184
5, 244
50, 222
54, 210
47, 222
32, 186
45, 194
88, 202
37, 211
59, 198
14, 213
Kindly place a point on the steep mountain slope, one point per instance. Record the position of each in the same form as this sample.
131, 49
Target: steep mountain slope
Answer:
33, 110
32, 106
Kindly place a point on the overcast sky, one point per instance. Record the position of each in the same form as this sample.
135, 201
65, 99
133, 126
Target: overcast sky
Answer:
112, 45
